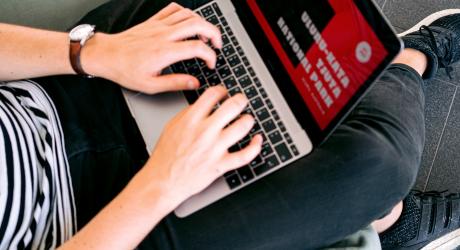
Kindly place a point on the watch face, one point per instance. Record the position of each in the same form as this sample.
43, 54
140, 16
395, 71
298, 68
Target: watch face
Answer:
81, 32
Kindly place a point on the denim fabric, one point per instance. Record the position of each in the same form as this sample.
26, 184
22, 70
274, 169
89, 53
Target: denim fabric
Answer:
356, 176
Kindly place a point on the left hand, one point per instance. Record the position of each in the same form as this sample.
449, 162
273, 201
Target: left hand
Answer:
136, 57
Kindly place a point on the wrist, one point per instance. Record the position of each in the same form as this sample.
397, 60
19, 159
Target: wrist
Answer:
95, 54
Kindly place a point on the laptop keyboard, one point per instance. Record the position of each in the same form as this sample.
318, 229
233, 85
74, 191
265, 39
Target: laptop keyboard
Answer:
234, 71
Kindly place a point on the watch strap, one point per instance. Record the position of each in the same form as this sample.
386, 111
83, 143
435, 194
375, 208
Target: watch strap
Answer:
74, 54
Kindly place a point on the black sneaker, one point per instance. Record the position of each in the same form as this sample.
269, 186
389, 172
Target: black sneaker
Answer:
426, 217
438, 37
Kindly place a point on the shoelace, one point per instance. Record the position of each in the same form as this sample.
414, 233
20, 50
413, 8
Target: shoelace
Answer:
432, 39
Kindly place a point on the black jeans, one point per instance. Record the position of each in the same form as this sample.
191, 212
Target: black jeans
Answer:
356, 176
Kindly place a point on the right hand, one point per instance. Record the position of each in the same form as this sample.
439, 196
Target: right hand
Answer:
193, 149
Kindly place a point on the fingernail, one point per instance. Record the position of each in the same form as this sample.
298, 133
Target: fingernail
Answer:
192, 85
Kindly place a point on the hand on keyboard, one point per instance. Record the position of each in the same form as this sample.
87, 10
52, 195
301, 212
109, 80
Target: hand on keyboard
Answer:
193, 149
136, 57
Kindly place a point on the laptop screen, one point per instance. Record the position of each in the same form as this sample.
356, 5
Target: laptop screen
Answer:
330, 52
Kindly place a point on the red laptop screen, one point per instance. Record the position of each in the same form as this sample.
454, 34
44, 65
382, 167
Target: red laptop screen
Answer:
328, 49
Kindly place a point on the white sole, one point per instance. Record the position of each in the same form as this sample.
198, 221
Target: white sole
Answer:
430, 19
447, 242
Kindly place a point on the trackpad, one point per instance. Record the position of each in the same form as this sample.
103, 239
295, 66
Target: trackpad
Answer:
153, 112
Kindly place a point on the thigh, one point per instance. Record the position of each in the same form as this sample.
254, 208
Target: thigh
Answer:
356, 176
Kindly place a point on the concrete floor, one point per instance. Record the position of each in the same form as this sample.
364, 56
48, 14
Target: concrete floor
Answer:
440, 168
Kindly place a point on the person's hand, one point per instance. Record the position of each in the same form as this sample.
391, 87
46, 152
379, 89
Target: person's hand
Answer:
136, 57
193, 149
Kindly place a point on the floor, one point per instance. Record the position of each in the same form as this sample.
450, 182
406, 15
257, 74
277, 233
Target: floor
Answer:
440, 168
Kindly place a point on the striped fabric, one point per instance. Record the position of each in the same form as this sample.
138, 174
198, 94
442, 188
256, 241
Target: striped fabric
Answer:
37, 209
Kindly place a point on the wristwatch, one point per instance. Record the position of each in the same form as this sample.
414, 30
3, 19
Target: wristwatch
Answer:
78, 38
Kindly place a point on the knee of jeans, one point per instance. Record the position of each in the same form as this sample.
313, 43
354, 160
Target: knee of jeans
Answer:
395, 167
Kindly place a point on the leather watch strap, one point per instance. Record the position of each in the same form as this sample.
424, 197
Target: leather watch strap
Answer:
74, 53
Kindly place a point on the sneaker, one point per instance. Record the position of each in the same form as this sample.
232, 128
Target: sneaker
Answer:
438, 37
426, 217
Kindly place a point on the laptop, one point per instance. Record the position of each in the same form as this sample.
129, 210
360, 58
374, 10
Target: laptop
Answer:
303, 64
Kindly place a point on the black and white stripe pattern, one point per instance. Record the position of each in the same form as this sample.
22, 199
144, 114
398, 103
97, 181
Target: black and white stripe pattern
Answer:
37, 207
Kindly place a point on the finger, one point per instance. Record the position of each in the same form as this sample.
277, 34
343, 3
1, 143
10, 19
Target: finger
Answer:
167, 11
197, 26
172, 82
185, 50
238, 159
228, 112
205, 104
236, 131
180, 16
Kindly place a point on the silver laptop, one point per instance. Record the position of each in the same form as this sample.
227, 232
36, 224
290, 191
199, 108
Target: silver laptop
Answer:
291, 60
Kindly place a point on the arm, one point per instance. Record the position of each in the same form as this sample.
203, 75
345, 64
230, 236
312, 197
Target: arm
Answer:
27, 53
134, 58
190, 155
193, 150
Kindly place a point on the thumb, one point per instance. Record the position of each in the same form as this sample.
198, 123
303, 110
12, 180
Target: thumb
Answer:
174, 82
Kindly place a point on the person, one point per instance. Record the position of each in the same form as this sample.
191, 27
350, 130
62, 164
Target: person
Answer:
75, 174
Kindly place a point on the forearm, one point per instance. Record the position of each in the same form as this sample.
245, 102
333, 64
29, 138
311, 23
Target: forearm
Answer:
127, 219
27, 52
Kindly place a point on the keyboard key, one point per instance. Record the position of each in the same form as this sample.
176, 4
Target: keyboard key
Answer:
282, 127
256, 162
225, 72
234, 60
201, 63
245, 174
179, 68
256, 128
223, 21
216, 8
263, 93
220, 61
207, 11
225, 40
262, 114
194, 70
269, 126
257, 82
230, 82
251, 72
234, 91
239, 71
213, 19
294, 150
229, 31
191, 96
240, 51
288, 138
269, 104
256, 103
275, 137
229, 173
190, 63
233, 181
228, 50
283, 152
202, 89
275, 115
269, 163
245, 81
250, 92
213, 80
266, 150
245, 61
234, 41
207, 72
